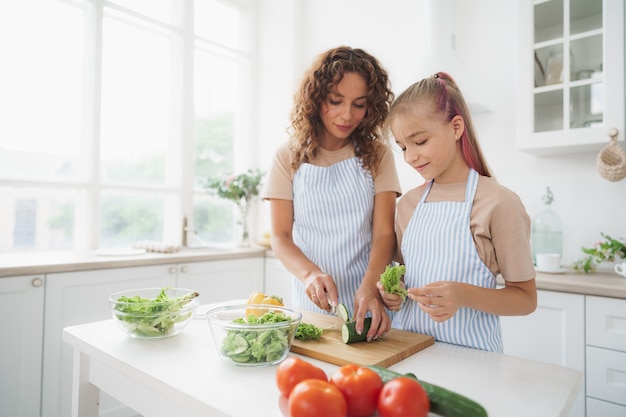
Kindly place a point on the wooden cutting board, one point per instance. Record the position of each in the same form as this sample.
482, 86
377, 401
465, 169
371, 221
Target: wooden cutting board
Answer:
393, 347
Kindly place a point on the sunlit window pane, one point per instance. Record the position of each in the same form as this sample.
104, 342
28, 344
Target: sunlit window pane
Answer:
75, 91
217, 22
41, 79
126, 218
216, 96
136, 113
155, 9
214, 222
37, 220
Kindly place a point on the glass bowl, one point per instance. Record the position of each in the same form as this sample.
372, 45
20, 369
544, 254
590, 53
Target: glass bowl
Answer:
153, 313
241, 338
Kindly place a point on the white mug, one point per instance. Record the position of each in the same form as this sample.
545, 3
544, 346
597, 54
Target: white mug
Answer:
621, 269
548, 261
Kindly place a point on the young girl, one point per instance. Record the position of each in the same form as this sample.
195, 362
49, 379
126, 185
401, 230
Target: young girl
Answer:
460, 230
333, 187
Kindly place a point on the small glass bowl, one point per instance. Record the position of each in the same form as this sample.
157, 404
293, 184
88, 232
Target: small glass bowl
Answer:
152, 319
252, 344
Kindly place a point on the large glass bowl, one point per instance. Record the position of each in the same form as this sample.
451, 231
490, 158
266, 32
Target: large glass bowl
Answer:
250, 343
147, 314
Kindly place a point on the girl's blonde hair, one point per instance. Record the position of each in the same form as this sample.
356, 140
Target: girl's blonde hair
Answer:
326, 72
449, 102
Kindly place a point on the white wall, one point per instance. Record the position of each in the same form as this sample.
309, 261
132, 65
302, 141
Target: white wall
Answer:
486, 48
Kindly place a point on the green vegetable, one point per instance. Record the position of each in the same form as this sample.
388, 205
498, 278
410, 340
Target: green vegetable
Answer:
443, 402
391, 280
152, 317
258, 345
342, 311
307, 331
349, 334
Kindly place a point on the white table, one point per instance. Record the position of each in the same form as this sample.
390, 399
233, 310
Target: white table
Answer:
183, 376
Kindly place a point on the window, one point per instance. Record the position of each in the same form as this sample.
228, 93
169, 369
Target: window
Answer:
118, 111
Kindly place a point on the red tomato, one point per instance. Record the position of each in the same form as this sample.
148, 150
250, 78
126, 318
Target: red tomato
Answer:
403, 397
293, 370
360, 386
317, 398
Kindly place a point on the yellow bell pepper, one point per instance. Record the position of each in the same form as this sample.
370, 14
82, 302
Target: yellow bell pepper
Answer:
258, 297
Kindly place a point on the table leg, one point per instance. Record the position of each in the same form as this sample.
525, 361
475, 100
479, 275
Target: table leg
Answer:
85, 395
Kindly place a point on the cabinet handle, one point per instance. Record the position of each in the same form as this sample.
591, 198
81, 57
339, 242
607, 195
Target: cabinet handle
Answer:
172, 270
37, 282
184, 269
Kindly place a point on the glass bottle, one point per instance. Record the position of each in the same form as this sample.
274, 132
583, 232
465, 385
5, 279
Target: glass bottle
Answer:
546, 236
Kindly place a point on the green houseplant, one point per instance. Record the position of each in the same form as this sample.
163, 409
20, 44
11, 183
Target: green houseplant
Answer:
608, 250
241, 189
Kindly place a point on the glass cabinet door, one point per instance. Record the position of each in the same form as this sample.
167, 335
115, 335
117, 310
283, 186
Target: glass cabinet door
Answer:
575, 91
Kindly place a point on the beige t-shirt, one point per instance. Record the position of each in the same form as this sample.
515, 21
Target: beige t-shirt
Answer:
279, 183
499, 224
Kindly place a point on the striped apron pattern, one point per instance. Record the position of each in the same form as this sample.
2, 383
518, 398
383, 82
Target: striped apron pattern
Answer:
438, 246
333, 208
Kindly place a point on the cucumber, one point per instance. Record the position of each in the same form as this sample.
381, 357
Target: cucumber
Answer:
342, 312
443, 402
349, 334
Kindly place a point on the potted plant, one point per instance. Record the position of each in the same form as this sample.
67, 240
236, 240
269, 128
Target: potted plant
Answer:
241, 189
608, 250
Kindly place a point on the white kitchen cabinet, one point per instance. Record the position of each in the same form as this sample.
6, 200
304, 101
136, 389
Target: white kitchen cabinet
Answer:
554, 333
606, 356
278, 281
587, 333
571, 75
21, 307
597, 408
81, 297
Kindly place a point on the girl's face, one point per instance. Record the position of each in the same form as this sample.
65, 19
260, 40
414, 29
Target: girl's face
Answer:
343, 110
430, 143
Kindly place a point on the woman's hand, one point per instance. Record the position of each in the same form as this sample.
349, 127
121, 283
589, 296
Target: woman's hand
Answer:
440, 300
368, 300
393, 302
321, 290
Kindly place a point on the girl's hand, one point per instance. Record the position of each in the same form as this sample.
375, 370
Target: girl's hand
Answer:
440, 300
393, 302
321, 290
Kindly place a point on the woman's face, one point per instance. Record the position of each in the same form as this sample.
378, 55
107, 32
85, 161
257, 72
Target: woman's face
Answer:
429, 142
343, 110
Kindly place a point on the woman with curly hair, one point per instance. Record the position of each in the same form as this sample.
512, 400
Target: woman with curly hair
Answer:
333, 187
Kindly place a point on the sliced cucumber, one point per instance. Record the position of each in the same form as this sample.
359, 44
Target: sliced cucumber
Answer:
240, 345
349, 334
342, 311
243, 358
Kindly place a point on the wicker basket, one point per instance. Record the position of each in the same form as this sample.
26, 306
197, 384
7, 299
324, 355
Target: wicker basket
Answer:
612, 160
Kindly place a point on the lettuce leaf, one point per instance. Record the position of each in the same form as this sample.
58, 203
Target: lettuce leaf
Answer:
391, 280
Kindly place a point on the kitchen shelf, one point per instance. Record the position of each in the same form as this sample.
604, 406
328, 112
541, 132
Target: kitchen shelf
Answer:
571, 81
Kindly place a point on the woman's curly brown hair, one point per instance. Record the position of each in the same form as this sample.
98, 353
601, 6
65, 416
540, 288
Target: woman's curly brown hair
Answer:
325, 73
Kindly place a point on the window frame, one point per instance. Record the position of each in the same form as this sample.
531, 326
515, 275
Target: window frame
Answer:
185, 42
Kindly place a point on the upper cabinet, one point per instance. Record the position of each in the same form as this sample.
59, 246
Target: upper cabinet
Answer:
571, 75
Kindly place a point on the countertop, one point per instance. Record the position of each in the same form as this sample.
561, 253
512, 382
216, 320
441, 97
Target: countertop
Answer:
183, 375
50, 262
604, 283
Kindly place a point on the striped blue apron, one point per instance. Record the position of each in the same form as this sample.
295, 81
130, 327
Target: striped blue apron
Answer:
333, 225
437, 245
